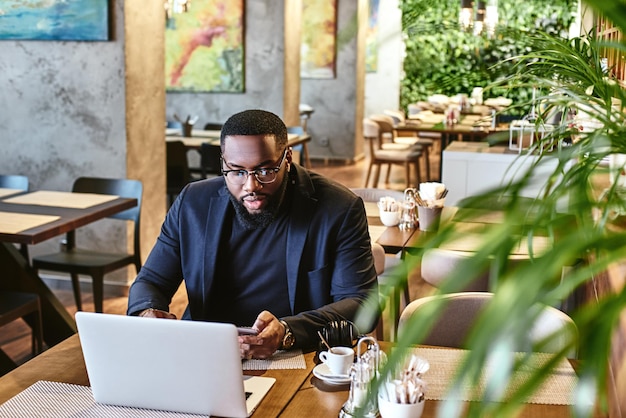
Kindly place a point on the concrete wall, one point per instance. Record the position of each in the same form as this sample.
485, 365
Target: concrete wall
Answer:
71, 109
264, 71
337, 102
63, 114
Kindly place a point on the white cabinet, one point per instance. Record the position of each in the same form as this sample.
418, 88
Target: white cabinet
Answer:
471, 168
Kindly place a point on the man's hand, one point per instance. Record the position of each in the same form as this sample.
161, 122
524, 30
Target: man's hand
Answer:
156, 313
263, 345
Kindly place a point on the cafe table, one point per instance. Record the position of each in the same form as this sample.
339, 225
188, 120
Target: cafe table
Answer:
393, 239
296, 393
31, 218
471, 127
198, 137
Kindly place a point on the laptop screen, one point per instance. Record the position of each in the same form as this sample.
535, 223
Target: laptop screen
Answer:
172, 365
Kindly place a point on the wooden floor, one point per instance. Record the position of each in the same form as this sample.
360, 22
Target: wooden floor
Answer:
15, 337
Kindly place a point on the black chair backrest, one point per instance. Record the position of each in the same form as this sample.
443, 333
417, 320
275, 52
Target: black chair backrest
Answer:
213, 126
210, 159
177, 166
118, 187
14, 181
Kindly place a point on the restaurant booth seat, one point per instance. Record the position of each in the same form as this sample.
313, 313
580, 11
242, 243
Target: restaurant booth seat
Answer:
454, 323
96, 264
379, 156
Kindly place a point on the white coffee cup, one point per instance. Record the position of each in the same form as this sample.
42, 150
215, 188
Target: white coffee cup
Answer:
338, 360
390, 218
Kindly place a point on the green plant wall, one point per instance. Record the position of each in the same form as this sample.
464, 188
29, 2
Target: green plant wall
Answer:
443, 59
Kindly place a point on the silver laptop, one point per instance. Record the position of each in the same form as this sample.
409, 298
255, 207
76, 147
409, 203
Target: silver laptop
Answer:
172, 365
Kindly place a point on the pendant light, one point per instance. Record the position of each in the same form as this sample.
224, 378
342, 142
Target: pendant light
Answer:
466, 15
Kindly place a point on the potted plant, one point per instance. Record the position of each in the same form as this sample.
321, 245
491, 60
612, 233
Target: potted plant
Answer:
574, 210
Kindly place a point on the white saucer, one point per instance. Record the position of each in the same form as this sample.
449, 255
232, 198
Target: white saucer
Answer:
322, 372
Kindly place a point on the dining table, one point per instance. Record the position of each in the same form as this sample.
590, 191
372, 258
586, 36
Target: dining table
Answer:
299, 391
471, 127
393, 239
198, 137
28, 218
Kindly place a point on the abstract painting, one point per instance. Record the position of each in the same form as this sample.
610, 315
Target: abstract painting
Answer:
204, 48
371, 40
54, 20
319, 39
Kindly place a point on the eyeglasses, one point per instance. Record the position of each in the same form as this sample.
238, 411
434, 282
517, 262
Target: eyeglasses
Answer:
262, 175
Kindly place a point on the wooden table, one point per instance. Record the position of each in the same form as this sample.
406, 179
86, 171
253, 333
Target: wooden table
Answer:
469, 127
296, 393
65, 363
199, 137
17, 274
392, 239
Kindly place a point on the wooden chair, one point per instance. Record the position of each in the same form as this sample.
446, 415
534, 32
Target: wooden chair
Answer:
178, 174
388, 264
300, 149
389, 121
17, 182
210, 161
439, 263
453, 325
96, 264
379, 156
213, 126
16, 305
14, 181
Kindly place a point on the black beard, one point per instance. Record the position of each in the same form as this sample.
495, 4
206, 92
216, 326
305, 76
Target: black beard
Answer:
263, 219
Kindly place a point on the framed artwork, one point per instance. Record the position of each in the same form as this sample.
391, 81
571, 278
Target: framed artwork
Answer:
54, 20
204, 48
371, 41
319, 39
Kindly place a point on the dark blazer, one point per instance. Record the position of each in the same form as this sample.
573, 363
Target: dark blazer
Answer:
330, 266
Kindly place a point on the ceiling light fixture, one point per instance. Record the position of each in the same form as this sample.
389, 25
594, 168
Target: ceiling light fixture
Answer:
466, 15
481, 17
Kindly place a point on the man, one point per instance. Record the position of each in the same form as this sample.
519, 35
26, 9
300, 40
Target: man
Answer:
268, 244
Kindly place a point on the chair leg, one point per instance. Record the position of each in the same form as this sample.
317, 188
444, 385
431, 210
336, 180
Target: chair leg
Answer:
367, 177
376, 175
388, 174
37, 330
407, 174
24, 251
98, 292
418, 172
427, 161
76, 288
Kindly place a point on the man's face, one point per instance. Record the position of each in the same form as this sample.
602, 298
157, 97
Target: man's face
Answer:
251, 152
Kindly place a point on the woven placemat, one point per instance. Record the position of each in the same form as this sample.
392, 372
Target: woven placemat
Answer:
63, 400
557, 389
293, 359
